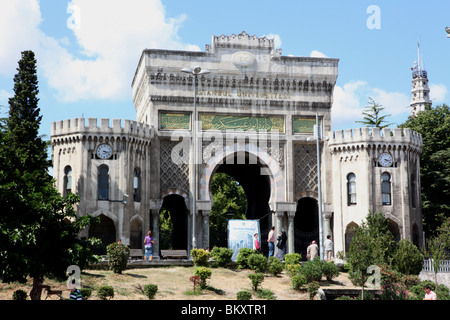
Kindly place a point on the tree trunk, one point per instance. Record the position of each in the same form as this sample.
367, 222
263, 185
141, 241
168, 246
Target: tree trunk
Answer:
36, 290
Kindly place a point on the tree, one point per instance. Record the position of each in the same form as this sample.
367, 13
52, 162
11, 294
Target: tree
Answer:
371, 244
227, 194
372, 116
38, 227
434, 126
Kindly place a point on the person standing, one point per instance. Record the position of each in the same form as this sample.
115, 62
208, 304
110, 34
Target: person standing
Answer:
328, 245
281, 245
148, 244
75, 294
429, 294
256, 246
271, 241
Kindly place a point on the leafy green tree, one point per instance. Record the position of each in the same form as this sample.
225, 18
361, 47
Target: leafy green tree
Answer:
434, 126
227, 194
373, 117
372, 244
38, 227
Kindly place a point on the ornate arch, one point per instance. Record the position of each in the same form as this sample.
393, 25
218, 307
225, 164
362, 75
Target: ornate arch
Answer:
276, 176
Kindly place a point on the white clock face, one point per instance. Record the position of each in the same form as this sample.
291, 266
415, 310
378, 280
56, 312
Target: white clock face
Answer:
104, 151
385, 160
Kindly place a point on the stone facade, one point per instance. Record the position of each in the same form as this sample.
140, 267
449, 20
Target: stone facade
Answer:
256, 110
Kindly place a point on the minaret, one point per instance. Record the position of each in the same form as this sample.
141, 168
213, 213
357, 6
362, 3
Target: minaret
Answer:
420, 91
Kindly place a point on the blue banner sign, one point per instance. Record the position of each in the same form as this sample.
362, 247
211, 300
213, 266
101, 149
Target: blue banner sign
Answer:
240, 235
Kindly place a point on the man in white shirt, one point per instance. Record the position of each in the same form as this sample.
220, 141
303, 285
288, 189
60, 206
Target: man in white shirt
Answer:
328, 245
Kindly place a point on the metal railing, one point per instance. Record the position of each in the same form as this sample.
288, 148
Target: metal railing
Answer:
428, 266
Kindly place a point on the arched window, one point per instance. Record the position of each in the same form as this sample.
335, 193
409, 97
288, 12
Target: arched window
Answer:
103, 182
413, 190
386, 189
351, 189
137, 185
67, 180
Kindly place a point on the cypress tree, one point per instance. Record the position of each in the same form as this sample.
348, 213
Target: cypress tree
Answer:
38, 227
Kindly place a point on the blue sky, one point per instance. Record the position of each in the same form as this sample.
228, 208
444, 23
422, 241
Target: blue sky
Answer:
88, 50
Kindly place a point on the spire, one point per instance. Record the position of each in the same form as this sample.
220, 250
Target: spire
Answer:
420, 92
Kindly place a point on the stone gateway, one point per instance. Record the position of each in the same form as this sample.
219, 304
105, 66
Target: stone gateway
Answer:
256, 112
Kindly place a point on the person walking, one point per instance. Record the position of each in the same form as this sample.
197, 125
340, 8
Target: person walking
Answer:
148, 244
328, 245
312, 251
271, 241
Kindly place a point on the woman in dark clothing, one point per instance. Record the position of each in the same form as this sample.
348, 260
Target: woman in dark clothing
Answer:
281, 245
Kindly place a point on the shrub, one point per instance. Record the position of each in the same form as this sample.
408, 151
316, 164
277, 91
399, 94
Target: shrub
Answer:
312, 270
329, 270
105, 292
195, 281
242, 257
393, 291
292, 258
313, 287
257, 279
265, 294
150, 290
298, 281
257, 262
200, 257
244, 295
118, 255
221, 256
19, 295
204, 274
407, 258
86, 293
275, 266
293, 269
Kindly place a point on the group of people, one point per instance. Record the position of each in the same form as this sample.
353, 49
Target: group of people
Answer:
281, 243
312, 251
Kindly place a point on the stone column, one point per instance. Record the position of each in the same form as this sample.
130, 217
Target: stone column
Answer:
291, 236
155, 206
205, 242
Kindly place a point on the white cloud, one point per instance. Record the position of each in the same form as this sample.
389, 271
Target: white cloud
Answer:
317, 54
438, 93
350, 100
110, 34
19, 20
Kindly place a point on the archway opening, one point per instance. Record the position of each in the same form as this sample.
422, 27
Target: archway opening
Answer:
349, 233
136, 238
306, 225
173, 223
252, 176
105, 231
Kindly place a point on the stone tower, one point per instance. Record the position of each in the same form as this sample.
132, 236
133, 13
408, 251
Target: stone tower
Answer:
420, 93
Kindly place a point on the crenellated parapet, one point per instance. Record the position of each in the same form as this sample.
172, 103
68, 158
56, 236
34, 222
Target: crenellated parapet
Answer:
78, 127
242, 40
375, 138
